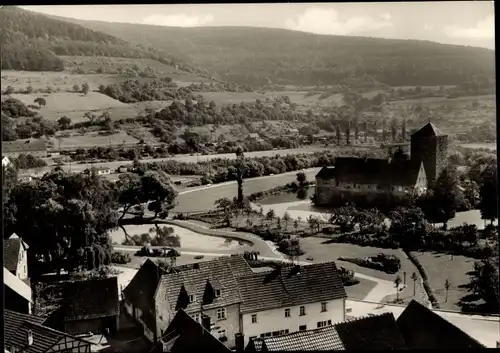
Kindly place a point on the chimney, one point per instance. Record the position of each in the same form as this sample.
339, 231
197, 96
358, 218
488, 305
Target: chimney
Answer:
30, 338
240, 342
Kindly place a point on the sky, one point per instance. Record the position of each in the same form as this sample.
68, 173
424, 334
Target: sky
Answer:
464, 23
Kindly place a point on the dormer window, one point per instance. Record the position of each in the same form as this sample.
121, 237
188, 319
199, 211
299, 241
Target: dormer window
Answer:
217, 293
192, 298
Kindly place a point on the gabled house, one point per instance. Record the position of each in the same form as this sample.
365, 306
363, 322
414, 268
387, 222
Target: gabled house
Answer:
139, 297
370, 333
290, 299
184, 334
424, 329
208, 291
27, 334
86, 306
15, 252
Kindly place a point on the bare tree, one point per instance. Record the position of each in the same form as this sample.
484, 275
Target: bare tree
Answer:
414, 278
447, 286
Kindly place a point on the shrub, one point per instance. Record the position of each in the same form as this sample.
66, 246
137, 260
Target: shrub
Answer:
347, 277
382, 262
120, 258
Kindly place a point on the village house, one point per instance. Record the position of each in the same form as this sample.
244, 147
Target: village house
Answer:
397, 176
378, 332
27, 334
290, 299
15, 252
37, 148
17, 293
101, 170
86, 306
228, 299
6, 161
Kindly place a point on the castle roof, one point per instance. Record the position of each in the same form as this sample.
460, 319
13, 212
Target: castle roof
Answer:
376, 171
429, 130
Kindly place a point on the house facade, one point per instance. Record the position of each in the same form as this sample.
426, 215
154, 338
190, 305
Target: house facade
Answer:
290, 299
396, 176
17, 293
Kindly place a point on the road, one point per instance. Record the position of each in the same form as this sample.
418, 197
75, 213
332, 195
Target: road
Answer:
202, 198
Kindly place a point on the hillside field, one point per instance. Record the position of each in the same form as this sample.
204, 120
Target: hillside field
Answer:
93, 139
75, 105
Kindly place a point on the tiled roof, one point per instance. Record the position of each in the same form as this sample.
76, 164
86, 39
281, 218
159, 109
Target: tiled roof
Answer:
142, 287
429, 130
289, 286
16, 332
11, 249
88, 299
424, 329
377, 171
193, 279
376, 332
323, 339
24, 146
186, 335
326, 173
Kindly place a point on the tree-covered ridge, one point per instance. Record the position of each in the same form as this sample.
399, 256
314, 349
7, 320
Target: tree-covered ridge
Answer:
32, 42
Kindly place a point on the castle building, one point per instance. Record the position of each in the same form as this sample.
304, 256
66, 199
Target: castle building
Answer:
398, 176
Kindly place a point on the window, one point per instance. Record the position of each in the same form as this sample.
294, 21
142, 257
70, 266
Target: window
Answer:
323, 307
196, 317
222, 335
254, 318
324, 323
267, 334
221, 314
287, 312
276, 333
217, 293
192, 298
302, 327
302, 310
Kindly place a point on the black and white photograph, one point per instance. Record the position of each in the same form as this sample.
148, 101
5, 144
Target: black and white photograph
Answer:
254, 177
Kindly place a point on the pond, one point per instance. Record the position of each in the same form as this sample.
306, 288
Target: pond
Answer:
190, 240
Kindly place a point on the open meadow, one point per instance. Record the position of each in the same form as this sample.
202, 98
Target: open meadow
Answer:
75, 105
229, 98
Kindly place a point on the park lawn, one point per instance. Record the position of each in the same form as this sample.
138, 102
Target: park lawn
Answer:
360, 290
93, 139
440, 267
322, 250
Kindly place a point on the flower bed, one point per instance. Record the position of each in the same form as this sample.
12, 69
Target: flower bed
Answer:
382, 262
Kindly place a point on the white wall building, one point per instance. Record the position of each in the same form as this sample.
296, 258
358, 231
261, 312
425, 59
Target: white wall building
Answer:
291, 299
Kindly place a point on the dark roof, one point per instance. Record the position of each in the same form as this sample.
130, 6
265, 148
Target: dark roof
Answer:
377, 171
193, 278
24, 146
322, 339
428, 130
374, 332
142, 287
424, 329
326, 173
186, 335
88, 299
11, 248
289, 286
16, 332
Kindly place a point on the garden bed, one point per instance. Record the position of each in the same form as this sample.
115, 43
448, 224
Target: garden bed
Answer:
390, 264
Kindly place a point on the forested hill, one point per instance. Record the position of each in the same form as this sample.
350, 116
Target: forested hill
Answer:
262, 55
32, 41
